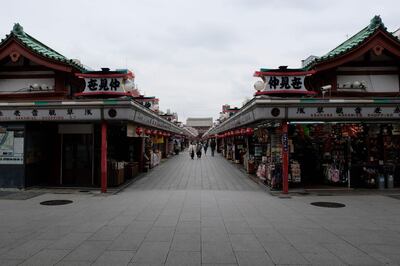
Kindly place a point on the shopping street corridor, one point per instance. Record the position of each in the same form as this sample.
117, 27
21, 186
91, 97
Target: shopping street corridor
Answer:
199, 212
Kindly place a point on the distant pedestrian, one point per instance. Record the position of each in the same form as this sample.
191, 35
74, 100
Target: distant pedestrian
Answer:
205, 147
199, 147
176, 147
192, 149
212, 146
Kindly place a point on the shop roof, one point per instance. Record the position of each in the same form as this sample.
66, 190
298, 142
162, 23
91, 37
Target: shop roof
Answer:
354, 41
39, 48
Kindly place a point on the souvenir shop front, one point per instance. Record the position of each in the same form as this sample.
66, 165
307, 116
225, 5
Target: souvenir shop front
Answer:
62, 143
329, 143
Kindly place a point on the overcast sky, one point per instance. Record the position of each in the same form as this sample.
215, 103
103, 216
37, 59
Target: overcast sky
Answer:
195, 56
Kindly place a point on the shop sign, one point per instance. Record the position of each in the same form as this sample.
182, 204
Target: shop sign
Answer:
246, 118
49, 114
145, 119
104, 85
119, 114
284, 84
285, 142
12, 147
269, 113
341, 112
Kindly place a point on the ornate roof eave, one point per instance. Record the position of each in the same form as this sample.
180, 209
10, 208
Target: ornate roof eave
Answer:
38, 49
371, 36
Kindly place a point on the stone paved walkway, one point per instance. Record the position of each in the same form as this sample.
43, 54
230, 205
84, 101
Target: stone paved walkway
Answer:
200, 212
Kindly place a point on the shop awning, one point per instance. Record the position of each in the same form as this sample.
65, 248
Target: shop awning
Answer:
84, 110
309, 109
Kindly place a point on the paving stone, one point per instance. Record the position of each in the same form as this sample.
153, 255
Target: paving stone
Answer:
238, 227
27, 249
114, 258
205, 208
152, 252
351, 255
88, 251
186, 242
107, 233
70, 241
74, 263
10, 262
214, 234
188, 227
253, 258
281, 253
166, 220
46, 257
177, 258
160, 234
217, 252
245, 242
127, 241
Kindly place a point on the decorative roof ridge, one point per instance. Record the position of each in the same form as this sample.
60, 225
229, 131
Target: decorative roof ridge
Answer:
41, 49
355, 40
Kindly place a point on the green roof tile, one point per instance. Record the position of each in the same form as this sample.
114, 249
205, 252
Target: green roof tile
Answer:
353, 42
40, 48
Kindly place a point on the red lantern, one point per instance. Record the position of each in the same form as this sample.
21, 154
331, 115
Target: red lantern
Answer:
154, 132
139, 131
243, 131
237, 132
147, 132
249, 131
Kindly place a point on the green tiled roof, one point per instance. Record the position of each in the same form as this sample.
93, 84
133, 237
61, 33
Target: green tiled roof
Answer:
39, 48
353, 42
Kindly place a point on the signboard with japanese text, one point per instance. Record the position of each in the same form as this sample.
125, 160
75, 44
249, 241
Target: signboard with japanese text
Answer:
284, 85
104, 85
148, 120
344, 113
50, 114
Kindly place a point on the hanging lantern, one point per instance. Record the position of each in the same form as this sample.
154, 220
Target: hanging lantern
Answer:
237, 132
147, 132
249, 131
242, 131
154, 132
139, 131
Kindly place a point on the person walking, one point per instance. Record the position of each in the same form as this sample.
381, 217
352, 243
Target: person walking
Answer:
192, 149
199, 147
212, 146
205, 147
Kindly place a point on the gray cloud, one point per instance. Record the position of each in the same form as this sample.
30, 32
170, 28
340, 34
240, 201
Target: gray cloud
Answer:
195, 55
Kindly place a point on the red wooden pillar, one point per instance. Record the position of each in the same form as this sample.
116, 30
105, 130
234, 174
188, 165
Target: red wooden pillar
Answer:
103, 157
285, 157
141, 154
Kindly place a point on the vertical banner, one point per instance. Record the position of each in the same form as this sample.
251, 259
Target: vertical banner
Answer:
285, 158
